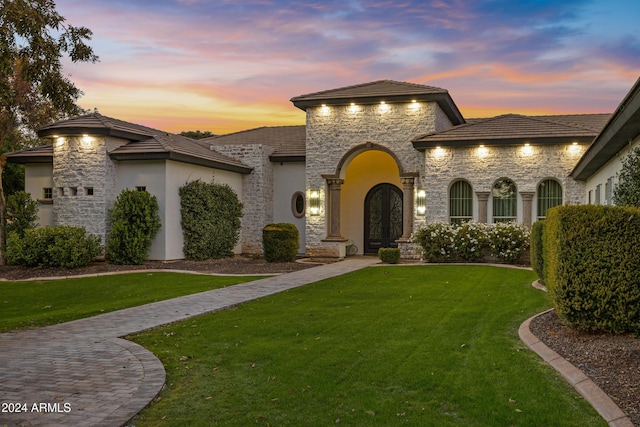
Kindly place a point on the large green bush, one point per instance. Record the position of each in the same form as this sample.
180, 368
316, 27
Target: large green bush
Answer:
280, 242
134, 224
508, 241
210, 221
22, 213
537, 255
389, 255
437, 241
591, 266
62, 246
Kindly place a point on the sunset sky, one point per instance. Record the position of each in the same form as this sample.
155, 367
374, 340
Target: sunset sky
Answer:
228, 65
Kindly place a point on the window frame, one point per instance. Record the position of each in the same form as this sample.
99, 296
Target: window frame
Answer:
506, 201
294, 204
544, 201
460, 206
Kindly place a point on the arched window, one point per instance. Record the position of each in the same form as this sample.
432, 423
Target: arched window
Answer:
505, 201
549, 195
460, 202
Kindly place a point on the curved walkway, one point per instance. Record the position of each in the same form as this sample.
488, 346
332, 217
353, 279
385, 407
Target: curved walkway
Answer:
82, 373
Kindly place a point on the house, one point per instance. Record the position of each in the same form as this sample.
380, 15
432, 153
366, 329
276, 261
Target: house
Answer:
373, 163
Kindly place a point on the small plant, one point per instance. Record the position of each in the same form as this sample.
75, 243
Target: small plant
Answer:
22, 213
134, 223
389, 255
280, 242
62, 246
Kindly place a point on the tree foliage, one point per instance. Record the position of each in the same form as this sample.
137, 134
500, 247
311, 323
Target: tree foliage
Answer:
627, 190
22, 213
197, 134
134, 224
34, 91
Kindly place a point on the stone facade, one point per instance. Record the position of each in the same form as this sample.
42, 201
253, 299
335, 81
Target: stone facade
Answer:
526, 166
257, 189
337, 133
84, 179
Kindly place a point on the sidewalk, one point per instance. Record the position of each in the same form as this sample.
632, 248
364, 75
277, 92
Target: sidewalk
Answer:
81, 373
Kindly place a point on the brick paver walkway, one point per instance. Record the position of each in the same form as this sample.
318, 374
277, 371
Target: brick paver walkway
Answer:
81, 373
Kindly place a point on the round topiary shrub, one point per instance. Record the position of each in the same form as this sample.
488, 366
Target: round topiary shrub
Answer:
389, 255
280, 242
134, 224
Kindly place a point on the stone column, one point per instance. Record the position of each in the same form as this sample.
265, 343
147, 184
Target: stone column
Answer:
407, 207
483, 200
335, 186
527, 212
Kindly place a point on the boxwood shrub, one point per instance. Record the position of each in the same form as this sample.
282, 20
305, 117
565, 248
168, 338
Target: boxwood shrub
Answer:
210, 221
280, 242
61, 246
591, 259
389, 255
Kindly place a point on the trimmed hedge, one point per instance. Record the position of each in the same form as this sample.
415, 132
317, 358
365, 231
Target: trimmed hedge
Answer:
62, 246
591, 266
537, 250
210, 221
280, 242
134, 224
389, 255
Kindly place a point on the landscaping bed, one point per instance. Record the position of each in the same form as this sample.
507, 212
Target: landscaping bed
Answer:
235, 265
611, 361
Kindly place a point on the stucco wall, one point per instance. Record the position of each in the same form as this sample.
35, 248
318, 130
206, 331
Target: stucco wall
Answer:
607, 175
288, 178
37, 177
334, 130
163, 179
481, 167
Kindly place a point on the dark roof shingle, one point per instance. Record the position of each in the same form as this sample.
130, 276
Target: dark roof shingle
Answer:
289, 142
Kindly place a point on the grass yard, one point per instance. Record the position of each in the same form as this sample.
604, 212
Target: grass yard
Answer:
422, 346
40, 303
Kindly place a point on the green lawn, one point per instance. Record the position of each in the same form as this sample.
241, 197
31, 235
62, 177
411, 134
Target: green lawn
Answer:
40, 303
422, 346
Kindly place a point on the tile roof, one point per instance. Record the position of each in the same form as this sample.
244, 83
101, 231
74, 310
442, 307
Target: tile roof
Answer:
382, 90
289, 141
145, 143
96, 123
516, 129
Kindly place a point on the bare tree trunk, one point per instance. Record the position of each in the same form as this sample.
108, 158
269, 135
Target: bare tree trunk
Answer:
3, 219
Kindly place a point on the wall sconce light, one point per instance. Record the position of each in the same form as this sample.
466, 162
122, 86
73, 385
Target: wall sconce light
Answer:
421, 202
527, 150
314, 202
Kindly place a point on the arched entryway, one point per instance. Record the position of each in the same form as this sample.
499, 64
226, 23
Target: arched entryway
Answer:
382, 217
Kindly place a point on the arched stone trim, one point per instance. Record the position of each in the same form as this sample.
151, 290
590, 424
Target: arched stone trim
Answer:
365, 147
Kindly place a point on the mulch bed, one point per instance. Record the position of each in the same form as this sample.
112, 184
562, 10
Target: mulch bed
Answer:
235, 265
610, 361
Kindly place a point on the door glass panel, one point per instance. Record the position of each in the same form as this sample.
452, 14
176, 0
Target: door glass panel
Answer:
375, 215
395, 216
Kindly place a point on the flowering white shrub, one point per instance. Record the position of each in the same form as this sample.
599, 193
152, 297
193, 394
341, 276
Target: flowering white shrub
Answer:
437, 241
471, 241
508, 241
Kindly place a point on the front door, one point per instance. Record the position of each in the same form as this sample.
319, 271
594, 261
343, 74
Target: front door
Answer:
382, 217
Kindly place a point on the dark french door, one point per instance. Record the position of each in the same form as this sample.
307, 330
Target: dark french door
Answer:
382, 217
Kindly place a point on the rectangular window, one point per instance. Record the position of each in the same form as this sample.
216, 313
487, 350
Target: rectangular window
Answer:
60, 191
598, 194
590, 196
88, 191
73, 191
141, 188
47, 193
609, 191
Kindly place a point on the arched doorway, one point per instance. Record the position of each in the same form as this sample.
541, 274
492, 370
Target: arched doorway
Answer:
382, 217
